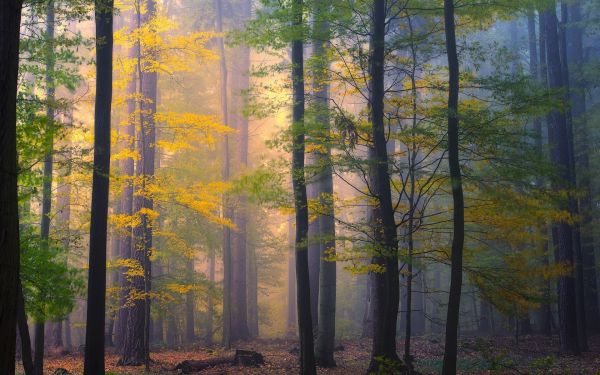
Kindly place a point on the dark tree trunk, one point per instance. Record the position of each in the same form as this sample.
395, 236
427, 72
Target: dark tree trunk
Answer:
535, 64
305, 327
367, 320
575, 60
227, 210
136, 346
386, 242
573, 204
127, 201
10, 19
449, 366
569, 342
324, 185
172, 340
241, 83
314, 251
24, 335
190, 335
210, 303
291, 287
94, 334
47, 174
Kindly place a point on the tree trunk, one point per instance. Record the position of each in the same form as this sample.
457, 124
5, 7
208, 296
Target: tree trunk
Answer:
386, 242
24, 335
210, 303
47, 174
227, 210
10, 19
560, 158
190, 335
449, 365
252, 293
574, 52
94, 336
127, 200
324, 184
241, 82
314, 250
291, 284
305, 327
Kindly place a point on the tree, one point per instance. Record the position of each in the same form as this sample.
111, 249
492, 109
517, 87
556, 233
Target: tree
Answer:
450, 349
227, 211
559, 155
94, 337
305, 326
386, 242
10, 19
324, 186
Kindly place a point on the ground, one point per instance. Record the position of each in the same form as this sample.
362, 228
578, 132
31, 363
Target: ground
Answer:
499, 355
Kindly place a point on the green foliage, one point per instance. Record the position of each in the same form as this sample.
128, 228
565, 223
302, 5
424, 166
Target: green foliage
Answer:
49, 284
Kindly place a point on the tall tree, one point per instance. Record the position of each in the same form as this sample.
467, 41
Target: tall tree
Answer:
386, 286
305, 328
227, 211
559, 155
450, 349
39, 328
136, 348
574, 52
324, 186
128, 166
96, 303
241, 82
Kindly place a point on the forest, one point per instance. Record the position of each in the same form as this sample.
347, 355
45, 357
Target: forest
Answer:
299, 186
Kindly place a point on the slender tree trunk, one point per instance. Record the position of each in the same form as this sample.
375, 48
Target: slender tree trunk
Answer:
535, 63
210, 303
307, 359
449, 365
324, 184
190, 335
136, 348
314, 250
386, 252
573, 203
10, 19
94, 335
569, 342
47, 173
252, 293
128, 165
241, 82
227, 210
574, 60
24, 335
291, 284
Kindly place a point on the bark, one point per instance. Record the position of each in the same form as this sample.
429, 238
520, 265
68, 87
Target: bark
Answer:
252, 293
10, 18
47, 174
94, 336
227, 210
535, 64
324, 184
24, 335
241, 358
314, 251
305, 327
136, 346
210, 303
291, 282
575, 59
128, 165
452, 317
386, 243
190, 335
560, 158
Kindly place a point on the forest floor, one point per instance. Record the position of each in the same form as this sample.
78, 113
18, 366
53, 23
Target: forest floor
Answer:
477, 355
